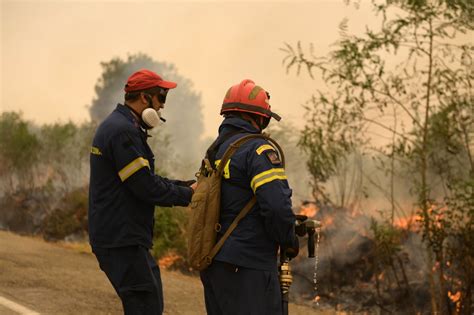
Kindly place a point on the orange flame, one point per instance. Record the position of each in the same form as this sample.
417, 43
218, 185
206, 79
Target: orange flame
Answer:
168, 260
410, 223
309, 210
454, 297
327, 221
381, 276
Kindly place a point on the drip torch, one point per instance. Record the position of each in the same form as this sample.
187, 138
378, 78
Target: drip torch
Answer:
303, 227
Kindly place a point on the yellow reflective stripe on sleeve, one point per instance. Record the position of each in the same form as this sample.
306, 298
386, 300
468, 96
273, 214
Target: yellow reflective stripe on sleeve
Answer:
226, 168
266, 177
96, 151
264, 148
133, 167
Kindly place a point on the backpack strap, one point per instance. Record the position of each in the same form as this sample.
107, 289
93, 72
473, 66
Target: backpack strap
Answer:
236, 144
212, 150
227, 155
231, 228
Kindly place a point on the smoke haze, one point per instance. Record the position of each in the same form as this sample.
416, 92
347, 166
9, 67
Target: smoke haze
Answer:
51, 51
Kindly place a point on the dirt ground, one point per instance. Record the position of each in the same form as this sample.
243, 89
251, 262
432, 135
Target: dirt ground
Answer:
66, 279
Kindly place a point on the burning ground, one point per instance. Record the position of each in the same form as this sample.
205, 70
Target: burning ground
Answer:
365, 266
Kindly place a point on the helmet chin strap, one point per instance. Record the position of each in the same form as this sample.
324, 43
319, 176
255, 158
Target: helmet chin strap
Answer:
260, 122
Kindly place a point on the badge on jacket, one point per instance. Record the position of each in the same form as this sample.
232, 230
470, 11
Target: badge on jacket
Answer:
273, 157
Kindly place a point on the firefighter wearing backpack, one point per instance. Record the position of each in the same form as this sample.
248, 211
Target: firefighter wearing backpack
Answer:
243, 276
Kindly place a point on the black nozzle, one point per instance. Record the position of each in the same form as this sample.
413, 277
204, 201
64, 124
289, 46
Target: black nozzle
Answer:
301, 218
311, 243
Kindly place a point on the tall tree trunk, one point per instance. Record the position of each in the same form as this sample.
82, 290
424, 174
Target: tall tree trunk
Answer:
424, 200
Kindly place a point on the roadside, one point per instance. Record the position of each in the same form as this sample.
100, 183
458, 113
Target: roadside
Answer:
55, 279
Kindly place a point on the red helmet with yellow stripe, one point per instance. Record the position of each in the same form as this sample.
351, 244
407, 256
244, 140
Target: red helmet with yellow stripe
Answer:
248, 98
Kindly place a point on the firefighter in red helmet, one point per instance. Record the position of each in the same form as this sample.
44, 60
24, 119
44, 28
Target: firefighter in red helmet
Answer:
243, 277
247, 97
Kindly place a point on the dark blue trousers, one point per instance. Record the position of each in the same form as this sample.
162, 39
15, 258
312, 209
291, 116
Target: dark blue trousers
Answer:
135, 277
233, 290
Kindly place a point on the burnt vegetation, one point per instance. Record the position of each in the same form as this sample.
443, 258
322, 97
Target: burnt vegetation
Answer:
390, 138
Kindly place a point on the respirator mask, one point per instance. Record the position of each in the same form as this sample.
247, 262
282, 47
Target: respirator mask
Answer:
150, 117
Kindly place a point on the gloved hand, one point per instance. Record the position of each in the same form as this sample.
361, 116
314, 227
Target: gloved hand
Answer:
185, 183
300, 229
292, 252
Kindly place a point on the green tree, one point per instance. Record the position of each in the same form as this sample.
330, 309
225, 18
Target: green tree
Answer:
183, 108
295, 159
411, 79
65, 154
18, 152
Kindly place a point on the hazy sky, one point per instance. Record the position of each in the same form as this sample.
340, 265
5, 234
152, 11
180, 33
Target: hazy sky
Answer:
51, 50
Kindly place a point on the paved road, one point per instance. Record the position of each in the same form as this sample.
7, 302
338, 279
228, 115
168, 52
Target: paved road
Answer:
10, 306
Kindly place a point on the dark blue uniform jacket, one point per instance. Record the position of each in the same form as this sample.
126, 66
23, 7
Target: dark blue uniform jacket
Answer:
254, 169
124, 188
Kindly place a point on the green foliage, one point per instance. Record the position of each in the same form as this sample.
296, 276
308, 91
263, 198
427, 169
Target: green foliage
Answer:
43, 166
413, 102
387, 241
66, 147
58, 149
449, 135
295, 159
459, 229
421, 101
329, 138
460, 221
18, 148
169, 231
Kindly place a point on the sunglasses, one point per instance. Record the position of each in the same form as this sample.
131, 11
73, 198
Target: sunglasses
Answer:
161, 95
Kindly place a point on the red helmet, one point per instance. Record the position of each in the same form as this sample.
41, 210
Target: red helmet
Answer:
249, 98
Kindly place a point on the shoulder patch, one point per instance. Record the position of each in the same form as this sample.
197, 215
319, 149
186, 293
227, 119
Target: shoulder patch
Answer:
273, 157
264, 148
226, 168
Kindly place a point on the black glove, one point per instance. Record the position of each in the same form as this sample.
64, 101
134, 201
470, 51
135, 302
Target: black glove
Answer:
300, 229
185, 183
292, 252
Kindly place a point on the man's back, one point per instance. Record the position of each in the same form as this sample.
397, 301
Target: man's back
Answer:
254, 242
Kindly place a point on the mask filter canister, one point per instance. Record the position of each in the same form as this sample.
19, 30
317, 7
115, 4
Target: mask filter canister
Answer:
152, 118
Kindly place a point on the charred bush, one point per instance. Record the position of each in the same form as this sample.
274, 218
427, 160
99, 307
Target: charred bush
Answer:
23, 211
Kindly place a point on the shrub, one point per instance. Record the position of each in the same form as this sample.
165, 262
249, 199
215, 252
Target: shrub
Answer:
169, 231
69, 218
